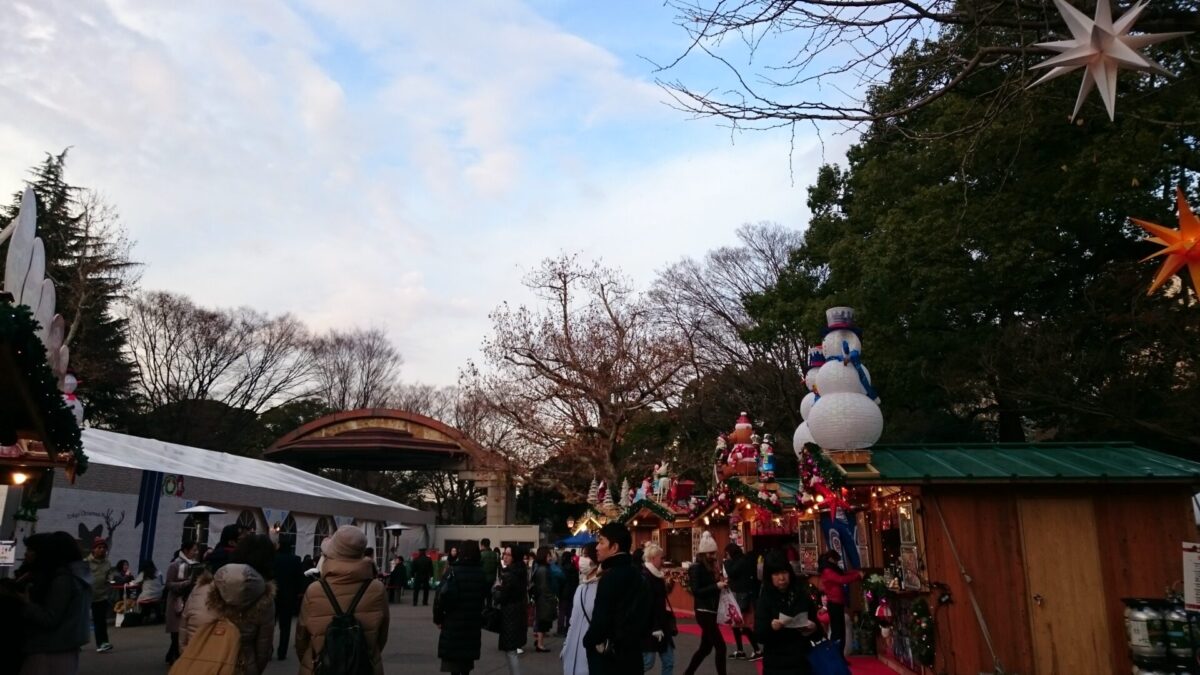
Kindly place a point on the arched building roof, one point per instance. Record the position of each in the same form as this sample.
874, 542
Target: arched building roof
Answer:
381, 439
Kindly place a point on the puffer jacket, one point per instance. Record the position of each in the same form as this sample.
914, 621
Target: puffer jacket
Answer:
59, 621
240, 594
345, 577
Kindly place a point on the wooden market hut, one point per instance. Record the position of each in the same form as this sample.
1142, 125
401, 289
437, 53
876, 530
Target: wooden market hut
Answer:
1023, 551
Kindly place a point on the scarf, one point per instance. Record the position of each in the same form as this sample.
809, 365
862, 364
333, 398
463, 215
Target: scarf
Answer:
653, 570
182, 570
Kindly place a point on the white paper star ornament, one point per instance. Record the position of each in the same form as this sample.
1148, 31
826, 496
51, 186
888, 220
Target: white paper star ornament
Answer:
1102, 48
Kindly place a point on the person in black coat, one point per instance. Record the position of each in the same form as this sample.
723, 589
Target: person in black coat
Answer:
512, 597
740, 571
230, 534
458, 611
707, 584
397, 580
621, 616
661, 640
785, 649
422, 572
289, 584
566, 593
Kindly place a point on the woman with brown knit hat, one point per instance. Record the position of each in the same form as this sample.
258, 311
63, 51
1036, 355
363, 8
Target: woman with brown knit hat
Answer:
347, 573
240, 594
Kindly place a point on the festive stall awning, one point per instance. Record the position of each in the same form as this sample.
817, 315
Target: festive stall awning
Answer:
1025, 462
648, 505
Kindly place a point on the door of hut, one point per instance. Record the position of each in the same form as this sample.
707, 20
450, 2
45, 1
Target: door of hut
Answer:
1065, 586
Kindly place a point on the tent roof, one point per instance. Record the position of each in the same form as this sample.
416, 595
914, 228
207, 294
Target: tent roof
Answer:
108, 448
1027, 463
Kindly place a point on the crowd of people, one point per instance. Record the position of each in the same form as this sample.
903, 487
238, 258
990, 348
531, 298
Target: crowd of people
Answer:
611, 604
247, 584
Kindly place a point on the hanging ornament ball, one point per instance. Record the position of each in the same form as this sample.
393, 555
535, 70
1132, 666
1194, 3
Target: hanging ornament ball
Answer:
801, 437
836, 342
845, 421
836, 377
806, 404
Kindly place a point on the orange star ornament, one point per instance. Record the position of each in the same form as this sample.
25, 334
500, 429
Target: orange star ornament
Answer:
1182, 246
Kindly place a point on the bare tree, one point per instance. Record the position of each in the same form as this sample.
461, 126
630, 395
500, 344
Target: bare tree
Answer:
842, 50
241, 358
568, 377
102, 267
705, 302
355, 369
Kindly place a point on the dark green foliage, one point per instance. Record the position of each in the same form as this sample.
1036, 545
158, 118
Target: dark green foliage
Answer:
993, 266
24, 363
87, 259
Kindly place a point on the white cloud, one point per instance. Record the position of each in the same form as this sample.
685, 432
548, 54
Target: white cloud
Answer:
370, 163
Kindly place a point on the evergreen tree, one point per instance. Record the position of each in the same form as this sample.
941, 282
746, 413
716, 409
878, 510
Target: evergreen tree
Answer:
87, 257
989, 253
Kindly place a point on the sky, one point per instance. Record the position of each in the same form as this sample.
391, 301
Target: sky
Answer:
381, 163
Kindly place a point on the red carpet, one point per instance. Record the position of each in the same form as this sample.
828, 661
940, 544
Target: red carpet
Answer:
859, 665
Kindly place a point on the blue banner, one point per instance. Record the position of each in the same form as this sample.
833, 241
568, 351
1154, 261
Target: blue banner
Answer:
839, 536
149, 496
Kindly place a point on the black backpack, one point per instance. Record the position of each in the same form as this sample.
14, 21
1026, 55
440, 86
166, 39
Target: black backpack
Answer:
345, 651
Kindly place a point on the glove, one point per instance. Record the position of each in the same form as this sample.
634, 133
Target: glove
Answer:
658, 635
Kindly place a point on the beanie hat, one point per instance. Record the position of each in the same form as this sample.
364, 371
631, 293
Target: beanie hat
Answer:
239, 585
707, 543
347, 543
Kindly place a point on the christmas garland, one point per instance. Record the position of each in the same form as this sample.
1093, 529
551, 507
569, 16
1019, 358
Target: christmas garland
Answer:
748, 493
649, 504
923, 631
19, 331
815, 461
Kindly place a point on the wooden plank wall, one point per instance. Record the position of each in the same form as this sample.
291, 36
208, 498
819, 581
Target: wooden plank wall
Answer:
1140, 531
986, 530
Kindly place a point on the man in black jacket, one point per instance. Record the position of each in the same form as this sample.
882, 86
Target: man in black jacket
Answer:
620, 618
422, 572
289, 584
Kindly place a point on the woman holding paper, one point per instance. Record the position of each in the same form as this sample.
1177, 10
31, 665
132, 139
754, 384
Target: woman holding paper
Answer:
784, 619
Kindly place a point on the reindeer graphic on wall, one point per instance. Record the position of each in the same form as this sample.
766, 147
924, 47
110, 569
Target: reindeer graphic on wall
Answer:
88, 535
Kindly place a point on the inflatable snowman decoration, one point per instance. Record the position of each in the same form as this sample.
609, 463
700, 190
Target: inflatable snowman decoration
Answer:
845, 414
816, 359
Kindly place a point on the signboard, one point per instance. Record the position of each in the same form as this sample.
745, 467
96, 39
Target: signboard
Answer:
8, 553
1191, 576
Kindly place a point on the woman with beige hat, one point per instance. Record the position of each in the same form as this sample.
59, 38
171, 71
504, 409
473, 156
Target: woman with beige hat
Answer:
347, 574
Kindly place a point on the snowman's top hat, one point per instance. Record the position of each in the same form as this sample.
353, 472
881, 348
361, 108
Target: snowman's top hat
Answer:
840, 318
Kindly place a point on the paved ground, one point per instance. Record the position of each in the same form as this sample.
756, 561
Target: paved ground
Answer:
411, 649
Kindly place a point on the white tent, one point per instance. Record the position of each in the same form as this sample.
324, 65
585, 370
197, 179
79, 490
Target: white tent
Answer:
108, 448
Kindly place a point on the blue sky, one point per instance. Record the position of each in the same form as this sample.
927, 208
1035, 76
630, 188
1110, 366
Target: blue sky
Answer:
380, 163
